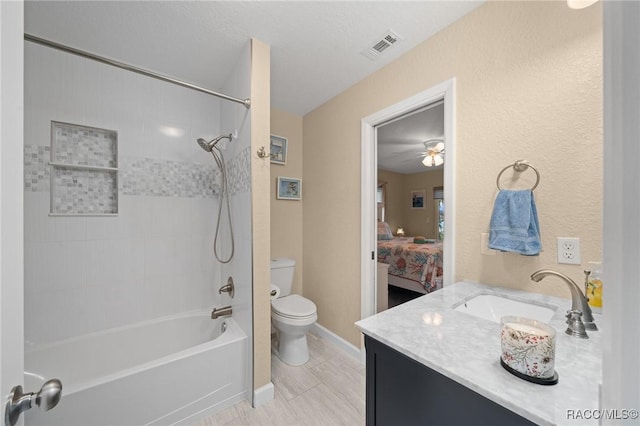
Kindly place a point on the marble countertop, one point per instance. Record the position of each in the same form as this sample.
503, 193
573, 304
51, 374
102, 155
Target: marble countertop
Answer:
467, 349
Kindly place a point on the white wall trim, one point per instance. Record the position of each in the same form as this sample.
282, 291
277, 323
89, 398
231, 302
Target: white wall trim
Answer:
369, 175
621, 209
337, 341
11, 196
263, 394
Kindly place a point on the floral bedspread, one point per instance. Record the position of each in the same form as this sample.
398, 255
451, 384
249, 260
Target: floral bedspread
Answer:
417, 262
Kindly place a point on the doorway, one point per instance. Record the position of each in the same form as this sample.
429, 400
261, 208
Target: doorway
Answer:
443, 92
410, 170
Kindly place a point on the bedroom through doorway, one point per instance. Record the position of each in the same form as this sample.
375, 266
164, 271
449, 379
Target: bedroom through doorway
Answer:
369, 283
411, 153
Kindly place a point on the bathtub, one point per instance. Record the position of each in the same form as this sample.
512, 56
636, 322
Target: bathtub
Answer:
175, 370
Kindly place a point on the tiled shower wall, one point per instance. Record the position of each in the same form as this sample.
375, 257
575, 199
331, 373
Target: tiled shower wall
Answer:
237, 118
155, 258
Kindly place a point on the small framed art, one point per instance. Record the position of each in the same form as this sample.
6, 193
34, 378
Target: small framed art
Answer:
278, 149
289, 188
418, 197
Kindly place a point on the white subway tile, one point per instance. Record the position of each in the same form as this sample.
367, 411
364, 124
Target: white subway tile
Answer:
70, 228
205, 109
96, 304
32, 265
101, 227
102, 266
174, 104
159, 258
75, 257
131, 217
129, 134
31, 229
156, 257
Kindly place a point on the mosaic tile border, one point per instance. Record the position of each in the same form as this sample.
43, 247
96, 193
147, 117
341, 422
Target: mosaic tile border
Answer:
239, 172
152, 177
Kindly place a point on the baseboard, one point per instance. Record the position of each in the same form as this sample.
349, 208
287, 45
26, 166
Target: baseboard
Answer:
263, 394
337, 341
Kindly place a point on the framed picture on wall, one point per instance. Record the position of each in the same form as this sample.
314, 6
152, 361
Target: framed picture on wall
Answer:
418, 198
289, 188
278, 149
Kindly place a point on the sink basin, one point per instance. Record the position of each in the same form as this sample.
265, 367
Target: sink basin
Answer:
492, 307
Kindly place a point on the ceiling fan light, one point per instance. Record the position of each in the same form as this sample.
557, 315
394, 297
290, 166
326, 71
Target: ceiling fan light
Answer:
438, 160
428, 161
580, 4
439, 146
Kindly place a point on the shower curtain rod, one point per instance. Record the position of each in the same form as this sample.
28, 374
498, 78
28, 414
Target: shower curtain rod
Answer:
122, 65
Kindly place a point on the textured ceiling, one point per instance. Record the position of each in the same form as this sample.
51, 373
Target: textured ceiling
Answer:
315, 45
401, 142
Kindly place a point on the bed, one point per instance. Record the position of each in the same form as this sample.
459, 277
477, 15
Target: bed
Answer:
416, 267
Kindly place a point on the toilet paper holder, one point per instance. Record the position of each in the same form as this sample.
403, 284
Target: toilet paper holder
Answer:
274, 293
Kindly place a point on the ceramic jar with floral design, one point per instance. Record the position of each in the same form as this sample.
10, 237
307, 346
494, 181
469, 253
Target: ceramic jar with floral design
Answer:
528, 346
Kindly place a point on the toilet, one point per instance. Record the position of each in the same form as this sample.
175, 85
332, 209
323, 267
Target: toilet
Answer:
291, 314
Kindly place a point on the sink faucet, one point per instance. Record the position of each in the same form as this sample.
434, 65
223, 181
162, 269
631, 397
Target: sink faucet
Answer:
221, 312
578, 300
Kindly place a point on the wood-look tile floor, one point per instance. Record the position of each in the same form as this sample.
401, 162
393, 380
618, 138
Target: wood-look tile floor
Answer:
327, 390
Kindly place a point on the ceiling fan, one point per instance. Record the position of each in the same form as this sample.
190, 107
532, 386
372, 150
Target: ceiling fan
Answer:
434, 152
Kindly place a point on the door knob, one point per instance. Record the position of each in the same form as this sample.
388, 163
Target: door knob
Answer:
47, 398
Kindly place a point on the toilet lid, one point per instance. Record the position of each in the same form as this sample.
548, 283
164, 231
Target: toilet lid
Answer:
293, 306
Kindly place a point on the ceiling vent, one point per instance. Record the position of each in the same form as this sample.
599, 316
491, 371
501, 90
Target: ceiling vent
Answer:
381, 44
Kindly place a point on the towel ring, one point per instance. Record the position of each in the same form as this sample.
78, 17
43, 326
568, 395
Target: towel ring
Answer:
519, 166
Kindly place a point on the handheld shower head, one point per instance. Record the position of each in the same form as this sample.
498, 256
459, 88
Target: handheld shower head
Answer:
204, 144
208, 145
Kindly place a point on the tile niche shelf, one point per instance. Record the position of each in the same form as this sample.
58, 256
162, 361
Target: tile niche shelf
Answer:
84, 170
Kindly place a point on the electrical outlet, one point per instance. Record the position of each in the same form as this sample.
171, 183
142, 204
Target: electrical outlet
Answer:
569, 250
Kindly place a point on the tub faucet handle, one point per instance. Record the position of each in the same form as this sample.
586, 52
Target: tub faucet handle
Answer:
228, 288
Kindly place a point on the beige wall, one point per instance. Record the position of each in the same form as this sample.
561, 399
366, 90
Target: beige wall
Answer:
260, 122
286, 215
421, 221
529, 85
398, 206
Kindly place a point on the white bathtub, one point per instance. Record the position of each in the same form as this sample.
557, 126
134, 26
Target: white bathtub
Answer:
173, 370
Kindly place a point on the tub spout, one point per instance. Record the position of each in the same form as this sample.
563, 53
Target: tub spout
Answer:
221, 312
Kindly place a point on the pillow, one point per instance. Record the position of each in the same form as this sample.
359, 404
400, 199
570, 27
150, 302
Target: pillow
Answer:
384, 232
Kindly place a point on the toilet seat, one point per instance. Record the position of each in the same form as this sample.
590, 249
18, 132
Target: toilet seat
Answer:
293, 306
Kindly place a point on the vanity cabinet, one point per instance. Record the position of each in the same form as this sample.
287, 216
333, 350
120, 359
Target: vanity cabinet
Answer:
402, 391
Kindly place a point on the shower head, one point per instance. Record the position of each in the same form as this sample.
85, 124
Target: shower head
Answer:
204, 144
208, 145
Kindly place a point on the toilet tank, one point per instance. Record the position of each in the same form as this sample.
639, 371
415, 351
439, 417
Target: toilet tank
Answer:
282, 274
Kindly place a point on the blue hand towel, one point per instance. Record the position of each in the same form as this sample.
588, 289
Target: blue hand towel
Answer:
514, 223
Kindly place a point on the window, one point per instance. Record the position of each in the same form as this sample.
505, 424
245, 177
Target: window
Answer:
380, 196
438, 197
